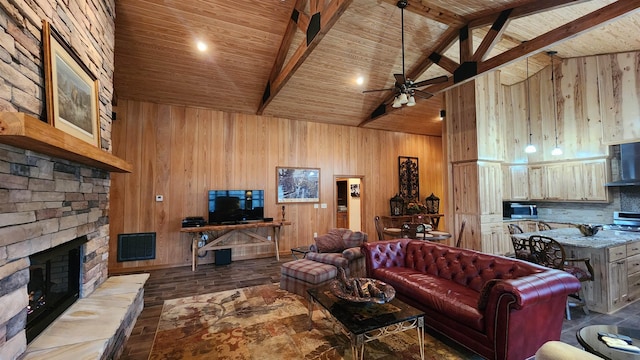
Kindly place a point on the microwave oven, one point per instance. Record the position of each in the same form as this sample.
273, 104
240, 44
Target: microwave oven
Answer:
520, 211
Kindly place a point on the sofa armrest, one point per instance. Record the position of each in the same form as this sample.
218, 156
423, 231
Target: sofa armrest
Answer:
352, 253
535, 288
536, 302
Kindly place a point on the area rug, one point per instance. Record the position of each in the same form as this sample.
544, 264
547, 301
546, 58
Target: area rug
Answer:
264, 322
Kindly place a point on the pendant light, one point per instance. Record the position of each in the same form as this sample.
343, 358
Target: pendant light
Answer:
556, 151
530, 149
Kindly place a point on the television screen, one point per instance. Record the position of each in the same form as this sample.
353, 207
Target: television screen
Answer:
235, 206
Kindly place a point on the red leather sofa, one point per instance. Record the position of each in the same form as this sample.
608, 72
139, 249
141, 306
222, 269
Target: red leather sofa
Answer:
498, 307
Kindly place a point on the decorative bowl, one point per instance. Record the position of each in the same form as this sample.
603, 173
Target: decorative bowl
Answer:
351, 293
588, 229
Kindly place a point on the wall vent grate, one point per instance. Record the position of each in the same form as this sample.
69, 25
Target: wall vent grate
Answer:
138, 246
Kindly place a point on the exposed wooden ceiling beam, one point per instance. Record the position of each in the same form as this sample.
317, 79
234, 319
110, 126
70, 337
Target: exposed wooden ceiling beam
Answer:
556, 36
585, 23
533, 7
433, 12
319, 24
493, 36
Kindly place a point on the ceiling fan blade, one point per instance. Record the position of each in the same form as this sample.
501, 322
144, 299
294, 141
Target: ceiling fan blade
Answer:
374, 90
423, 94
399, 78
435, 80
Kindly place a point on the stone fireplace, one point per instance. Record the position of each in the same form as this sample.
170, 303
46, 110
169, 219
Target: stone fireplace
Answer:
45, 203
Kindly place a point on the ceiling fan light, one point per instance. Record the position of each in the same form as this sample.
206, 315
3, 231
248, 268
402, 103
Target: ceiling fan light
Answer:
411, 101
530, 149
396, 103
403, 98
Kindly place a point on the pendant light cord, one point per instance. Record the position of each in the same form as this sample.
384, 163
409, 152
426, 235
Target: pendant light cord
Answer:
529, 105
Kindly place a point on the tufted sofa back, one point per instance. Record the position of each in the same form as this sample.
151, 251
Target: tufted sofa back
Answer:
466, 267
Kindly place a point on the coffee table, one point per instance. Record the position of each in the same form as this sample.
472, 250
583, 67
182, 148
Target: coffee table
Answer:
365, 322
588, 338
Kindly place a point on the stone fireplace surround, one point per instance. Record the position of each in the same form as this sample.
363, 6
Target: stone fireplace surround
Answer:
45, 202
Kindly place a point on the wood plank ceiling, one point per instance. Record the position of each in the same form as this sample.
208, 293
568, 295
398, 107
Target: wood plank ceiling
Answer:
253, 46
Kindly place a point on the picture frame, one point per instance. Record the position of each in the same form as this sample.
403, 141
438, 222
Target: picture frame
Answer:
71, 89
297, 185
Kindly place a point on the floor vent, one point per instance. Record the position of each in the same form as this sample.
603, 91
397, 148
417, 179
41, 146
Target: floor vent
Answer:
139, 246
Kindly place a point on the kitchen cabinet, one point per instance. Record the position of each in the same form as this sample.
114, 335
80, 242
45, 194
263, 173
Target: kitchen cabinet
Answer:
615, 257
537, 183
567, 181
516, 182
617, 273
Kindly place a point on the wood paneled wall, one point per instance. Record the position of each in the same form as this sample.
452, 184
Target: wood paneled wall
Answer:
182, 152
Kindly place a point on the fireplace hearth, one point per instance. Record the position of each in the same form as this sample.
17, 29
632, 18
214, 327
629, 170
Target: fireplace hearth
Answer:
54, 284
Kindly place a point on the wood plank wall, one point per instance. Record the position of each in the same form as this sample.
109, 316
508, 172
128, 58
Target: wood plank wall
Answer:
182, 152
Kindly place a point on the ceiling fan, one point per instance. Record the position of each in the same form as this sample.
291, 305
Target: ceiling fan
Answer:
404, 87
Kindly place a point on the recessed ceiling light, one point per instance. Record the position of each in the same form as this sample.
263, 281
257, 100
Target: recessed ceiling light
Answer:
201, 46
360, 80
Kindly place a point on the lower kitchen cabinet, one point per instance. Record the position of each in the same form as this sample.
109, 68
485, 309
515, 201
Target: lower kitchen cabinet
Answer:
617, 273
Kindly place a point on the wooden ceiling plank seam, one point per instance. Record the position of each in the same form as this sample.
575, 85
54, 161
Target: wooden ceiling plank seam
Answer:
484, 18
493, 36
328, 17
560, 34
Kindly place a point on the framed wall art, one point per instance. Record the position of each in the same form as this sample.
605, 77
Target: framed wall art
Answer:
298, 185
70, 88
409, 178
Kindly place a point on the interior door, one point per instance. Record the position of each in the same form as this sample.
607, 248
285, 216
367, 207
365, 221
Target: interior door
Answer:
349, 202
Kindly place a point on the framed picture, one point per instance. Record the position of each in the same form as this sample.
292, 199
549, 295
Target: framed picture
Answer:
355, 190
298, 185
71, 89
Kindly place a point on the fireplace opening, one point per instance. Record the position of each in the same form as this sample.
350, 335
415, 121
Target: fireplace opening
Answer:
54, 284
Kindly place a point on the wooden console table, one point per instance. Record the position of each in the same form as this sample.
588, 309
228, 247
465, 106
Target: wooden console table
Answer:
229, 230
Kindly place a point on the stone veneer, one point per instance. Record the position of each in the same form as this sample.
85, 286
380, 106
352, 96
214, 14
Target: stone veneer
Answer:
45, 201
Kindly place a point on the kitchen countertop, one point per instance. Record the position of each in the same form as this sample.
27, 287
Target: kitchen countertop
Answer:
573, 237
508, 220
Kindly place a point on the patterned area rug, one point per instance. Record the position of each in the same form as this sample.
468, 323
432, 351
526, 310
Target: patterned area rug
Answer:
264, 322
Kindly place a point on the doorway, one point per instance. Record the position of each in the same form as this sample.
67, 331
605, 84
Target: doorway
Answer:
348, 202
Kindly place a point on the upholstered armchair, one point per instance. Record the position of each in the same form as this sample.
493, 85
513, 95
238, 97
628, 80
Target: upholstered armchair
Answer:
341, 248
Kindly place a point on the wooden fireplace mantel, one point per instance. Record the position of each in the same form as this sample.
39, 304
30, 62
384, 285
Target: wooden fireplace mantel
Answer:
29, 133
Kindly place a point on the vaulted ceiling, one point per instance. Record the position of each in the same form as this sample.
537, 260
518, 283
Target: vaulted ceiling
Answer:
299, 59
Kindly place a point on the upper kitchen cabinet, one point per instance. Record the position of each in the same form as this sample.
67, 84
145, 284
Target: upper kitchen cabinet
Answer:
619, 75
575, 181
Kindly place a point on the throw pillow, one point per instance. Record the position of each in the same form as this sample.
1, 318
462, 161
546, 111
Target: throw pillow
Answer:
330, 242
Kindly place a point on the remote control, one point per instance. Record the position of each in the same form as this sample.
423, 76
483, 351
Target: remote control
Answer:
627, 339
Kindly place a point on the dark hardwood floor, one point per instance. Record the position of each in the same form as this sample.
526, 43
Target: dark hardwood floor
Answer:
180, 282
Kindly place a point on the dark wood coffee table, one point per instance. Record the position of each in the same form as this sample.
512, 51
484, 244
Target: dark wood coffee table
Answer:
365, 322
588, 338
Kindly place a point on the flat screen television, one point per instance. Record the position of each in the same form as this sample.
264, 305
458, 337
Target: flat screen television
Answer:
235, 206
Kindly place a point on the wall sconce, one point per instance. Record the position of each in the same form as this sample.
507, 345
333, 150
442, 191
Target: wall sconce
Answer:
442, 114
